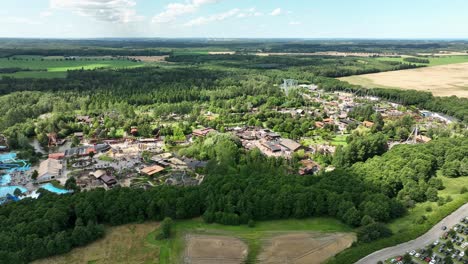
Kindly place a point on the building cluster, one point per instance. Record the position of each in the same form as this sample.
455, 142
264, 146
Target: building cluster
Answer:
269, 142
332, 111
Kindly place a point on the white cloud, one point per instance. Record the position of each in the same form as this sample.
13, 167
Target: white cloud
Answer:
217, 17
174, 10
236, 12
294, 23
121, 11
276, 12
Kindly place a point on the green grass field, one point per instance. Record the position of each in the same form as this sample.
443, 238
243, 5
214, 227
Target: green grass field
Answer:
171, 250
433, 61
57, 67
338, 140
407, 228
136, 243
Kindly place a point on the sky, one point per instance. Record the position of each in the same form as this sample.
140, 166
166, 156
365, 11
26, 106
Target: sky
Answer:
409, 19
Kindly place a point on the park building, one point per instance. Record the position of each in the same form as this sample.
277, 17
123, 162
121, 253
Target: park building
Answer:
49, 169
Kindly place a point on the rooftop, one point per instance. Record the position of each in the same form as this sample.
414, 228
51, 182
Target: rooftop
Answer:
151, 170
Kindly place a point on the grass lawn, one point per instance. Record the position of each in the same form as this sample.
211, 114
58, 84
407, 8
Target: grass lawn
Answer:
433, 61
136, 243
105, 158
312, 141
406, 228
57, 68
170, 251
338, 140
122, 244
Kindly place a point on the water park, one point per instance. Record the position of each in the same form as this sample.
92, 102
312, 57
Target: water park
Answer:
16, 182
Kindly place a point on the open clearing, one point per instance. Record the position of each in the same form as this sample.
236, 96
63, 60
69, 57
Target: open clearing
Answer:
444, 80
122, 244
433, 60
57, 67
136, 243
214, 249
304, 248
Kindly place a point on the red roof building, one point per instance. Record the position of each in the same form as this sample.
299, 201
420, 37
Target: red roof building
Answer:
57, 156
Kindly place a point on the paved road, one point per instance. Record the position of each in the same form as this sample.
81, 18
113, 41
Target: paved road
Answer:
432, 235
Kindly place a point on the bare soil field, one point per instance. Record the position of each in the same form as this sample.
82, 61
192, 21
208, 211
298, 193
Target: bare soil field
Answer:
204, 249
149, 58
122, 244
304, 248
444, 80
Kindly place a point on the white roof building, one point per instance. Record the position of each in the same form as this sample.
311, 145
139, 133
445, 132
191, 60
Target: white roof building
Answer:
49, 169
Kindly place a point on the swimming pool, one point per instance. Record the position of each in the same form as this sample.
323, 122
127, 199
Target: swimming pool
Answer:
4, 190
7, 157
5, 179
9, 162
52, 188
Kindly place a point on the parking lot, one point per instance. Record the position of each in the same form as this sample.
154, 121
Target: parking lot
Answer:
451, 247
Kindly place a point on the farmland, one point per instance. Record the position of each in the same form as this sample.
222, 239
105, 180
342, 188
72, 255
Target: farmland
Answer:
433, 61
446, 80
136, 242
304, 248
56, 67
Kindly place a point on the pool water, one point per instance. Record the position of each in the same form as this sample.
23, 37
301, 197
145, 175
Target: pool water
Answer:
8, 156
52, 188
5, 179
4, 190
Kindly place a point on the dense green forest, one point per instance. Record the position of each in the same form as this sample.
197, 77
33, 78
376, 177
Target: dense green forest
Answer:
239, 187
323, 66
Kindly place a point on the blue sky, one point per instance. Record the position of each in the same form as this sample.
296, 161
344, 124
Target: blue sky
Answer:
234, 18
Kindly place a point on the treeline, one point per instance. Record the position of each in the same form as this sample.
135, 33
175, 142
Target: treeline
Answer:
13, 70
5, 52
417, 166
417, 60
319, 65
357, 46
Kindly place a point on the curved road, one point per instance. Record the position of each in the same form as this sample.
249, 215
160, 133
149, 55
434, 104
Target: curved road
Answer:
428, 238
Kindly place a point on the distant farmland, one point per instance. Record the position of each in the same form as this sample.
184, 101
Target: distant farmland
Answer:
443, 80
56, 67
433, 61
